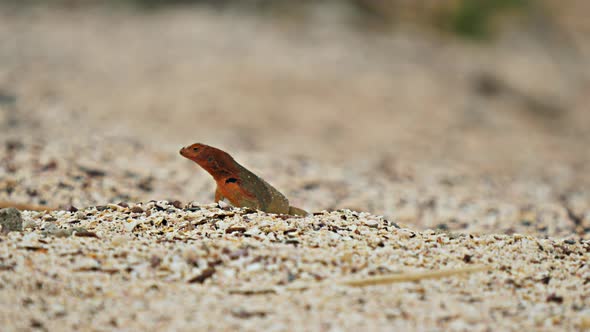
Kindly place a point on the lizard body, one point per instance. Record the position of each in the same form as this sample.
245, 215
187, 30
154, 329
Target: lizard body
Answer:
235, 183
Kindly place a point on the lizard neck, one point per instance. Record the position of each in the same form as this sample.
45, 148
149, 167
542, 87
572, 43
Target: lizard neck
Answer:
220, 165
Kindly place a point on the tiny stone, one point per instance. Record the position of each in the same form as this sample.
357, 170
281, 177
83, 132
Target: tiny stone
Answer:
91, 171
372, 223
130, 226
28, 223
115, 207
155, 261
137, 209
206, 274
555, 298
224, 205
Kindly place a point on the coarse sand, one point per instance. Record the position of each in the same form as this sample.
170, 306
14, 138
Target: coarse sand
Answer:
408, 168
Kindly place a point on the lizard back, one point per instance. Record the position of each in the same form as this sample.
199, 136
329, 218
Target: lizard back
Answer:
270, 199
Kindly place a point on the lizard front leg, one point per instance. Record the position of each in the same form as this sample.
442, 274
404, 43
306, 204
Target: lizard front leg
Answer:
218, 195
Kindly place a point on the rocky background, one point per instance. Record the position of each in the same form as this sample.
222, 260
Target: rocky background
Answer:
464, 124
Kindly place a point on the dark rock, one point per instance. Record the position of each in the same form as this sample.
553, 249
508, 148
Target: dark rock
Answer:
137, 209
92, 172
11, 220
244, 314
238, 229
555, 298
206, 274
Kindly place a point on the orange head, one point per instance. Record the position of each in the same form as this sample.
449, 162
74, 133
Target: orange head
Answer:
217, 162
196, 152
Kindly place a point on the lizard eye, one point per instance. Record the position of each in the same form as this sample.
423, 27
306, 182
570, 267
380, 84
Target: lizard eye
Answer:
231, 180
195, 149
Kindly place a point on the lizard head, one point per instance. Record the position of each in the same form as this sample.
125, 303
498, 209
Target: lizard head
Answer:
217, 162
196, 152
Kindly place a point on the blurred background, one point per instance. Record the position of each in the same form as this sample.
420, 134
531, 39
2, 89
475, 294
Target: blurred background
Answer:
321, 97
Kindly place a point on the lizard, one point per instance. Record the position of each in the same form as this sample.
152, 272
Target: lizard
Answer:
237, 184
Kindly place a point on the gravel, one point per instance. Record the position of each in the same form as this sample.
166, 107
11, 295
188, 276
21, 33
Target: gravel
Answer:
182, 269
434, 208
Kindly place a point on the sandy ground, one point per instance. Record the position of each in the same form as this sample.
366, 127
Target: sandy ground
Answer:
473, 155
